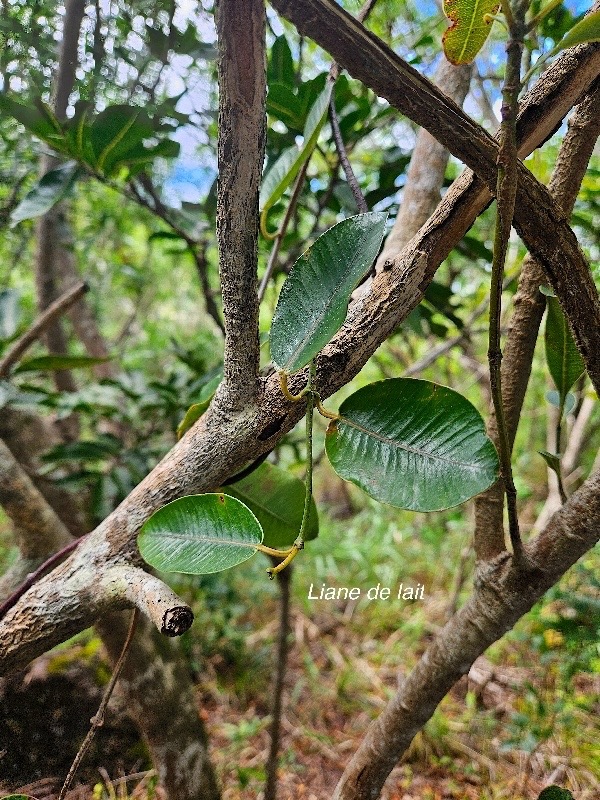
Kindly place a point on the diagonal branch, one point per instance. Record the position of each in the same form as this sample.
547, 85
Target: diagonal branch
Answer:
428, 162
201, 462
242, 91
39, 531
46, 318
500, 598
538, 221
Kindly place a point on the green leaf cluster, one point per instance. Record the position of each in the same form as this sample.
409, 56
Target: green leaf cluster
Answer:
121, 140
409, 443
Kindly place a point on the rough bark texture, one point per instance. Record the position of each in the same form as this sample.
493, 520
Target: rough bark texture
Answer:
28, 510
538, 221
529, 306
64, 602
156, 686
502, 595
242, 127
27, 436
159, 696
428, 163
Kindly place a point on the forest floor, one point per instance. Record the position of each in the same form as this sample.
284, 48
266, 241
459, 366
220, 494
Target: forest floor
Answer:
526, 716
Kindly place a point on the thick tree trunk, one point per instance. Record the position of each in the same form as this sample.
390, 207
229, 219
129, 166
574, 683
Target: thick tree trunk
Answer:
159, 695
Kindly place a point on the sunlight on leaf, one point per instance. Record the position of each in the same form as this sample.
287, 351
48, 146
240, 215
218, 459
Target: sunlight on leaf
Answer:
471, 26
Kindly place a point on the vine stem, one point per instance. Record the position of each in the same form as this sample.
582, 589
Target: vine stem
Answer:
98, 719
506, 192
557, 449
308, 479
279, 236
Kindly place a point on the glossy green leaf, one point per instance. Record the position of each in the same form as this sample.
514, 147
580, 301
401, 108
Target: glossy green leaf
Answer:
53, 187
54, 363
10, 312
115, 131
586, 30
562, 356
471, 26
287, 166
16, 797
552, 460
199, 534
412, 444
280, 68
555, 793
314, 299
276, 498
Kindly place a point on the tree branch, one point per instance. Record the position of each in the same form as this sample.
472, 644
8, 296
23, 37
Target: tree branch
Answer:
242, 91
46, 318
153, 597
528, 309
428, 162
537, 219
500, 598
39, 531
47, 615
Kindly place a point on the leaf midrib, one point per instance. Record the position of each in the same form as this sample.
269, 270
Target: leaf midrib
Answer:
190, 537
407, 448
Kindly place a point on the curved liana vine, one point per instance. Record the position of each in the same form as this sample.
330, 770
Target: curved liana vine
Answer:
410, 443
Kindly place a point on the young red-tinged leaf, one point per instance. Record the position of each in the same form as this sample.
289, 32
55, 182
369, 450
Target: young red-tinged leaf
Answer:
471, 26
